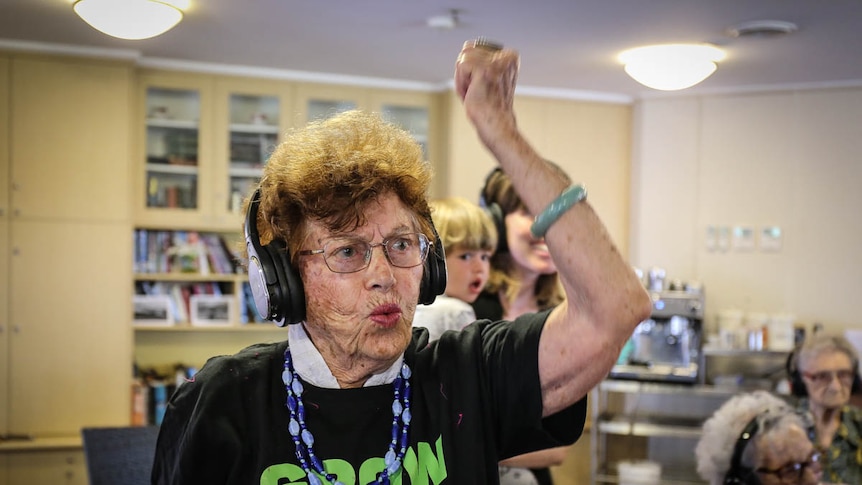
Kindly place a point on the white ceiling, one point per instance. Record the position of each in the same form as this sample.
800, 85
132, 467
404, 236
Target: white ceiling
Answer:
567, 46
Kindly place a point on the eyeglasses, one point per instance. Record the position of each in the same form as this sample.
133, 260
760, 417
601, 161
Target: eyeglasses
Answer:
792, 472
349, 255
824, 378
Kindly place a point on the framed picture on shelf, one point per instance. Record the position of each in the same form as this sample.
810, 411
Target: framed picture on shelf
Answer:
153, 310
211, 310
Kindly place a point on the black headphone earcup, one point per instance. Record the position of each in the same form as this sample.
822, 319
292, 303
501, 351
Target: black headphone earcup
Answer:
434, 276
289, 304
797, 385
276, 287
496, 213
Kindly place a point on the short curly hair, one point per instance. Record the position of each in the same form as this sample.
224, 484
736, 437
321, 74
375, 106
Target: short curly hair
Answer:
721, 431
330, 170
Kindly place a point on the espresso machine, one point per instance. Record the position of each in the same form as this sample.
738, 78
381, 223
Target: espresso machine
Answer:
666, 347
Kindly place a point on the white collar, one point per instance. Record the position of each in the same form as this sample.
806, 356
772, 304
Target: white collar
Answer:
309, 364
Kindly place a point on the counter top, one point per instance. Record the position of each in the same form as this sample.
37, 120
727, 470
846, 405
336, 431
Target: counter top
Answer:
40, 443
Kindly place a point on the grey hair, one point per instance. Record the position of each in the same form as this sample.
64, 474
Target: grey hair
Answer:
822, 344
721, 431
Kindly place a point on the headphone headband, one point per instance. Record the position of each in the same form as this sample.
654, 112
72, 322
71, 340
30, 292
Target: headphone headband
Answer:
739, 474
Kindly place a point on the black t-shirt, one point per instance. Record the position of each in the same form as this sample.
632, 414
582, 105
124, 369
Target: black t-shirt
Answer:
476, 399
488, 306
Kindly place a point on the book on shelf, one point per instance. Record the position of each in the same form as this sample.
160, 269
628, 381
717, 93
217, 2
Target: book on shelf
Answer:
179, 295
164, 251
151, 391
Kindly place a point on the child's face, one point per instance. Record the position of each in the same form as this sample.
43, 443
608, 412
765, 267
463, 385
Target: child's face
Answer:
468, 271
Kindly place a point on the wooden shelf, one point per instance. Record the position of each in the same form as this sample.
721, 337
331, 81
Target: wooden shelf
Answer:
183, 277
42, 443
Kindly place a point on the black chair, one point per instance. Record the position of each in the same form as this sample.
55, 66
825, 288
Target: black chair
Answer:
120, 455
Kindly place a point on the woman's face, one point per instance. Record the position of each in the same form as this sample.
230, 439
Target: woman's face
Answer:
787, 456
828, 377
529, 253
467, 272
362, 320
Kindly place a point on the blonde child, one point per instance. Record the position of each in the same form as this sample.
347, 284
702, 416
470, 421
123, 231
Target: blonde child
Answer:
469, 238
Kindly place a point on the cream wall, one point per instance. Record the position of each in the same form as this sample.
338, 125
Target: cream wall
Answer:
789, 159
590, 140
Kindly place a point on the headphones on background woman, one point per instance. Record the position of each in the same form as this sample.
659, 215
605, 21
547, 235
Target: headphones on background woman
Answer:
797, 385
494, 209
277, 288
739, 474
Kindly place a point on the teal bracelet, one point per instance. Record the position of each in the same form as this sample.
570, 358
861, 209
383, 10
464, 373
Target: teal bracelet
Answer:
557, 208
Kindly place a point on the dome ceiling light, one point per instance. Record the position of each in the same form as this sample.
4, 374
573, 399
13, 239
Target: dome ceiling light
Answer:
129, 19
670, 67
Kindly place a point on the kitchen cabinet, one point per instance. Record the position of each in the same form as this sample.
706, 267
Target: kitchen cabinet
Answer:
58, 462
65, 218
4, 243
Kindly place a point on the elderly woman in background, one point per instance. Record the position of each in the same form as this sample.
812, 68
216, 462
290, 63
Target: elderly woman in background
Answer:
824, 371
757, 439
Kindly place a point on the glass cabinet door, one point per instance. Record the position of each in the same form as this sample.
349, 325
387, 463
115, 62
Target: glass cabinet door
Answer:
252, 136
172, 141
321, 101
411, 118
319, 109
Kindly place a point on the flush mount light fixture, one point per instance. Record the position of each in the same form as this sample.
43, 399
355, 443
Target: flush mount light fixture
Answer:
670, 67
129, 19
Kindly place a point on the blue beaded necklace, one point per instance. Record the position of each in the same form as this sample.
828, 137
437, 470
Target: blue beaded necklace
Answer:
304, 440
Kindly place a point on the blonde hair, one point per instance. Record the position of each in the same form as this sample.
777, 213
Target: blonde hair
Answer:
330, 170
461, 223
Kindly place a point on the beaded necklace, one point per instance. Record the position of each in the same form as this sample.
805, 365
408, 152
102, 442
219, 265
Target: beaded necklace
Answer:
304, 440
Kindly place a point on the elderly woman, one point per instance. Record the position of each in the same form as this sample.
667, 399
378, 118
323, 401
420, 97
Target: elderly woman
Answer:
757, 439
342, 248
824, 372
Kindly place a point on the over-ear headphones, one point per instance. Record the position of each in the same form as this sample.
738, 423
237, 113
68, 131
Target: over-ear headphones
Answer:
494, 209
277, 288
797, 385
738, 474
275, 285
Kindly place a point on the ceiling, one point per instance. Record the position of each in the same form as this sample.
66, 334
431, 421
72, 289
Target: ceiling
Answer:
568, 47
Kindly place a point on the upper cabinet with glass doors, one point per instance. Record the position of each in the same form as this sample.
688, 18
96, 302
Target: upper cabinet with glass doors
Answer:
206, 141
174, 182
412, 110
255, 117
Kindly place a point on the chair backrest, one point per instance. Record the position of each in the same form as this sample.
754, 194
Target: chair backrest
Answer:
120, 455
